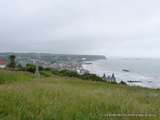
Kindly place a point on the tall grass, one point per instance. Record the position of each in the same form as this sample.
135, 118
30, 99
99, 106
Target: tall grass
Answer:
65, 98
12, 76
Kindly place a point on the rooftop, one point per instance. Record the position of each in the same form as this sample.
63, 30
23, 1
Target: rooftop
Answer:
2, 61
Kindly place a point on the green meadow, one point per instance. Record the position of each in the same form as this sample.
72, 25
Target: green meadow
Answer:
25, 97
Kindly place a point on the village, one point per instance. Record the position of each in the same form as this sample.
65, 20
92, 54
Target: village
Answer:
58, 66
75, 66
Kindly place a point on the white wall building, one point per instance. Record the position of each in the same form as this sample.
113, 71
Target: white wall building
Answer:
2, 64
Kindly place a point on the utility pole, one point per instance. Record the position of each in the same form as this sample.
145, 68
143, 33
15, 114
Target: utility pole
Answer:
37, 74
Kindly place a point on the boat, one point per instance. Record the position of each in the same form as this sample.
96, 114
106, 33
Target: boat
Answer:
132, 81
125, 70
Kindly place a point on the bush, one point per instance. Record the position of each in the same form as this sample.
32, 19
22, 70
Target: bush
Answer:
19, 67
31, 68
68, 73
123, 83
93, 77
46, 73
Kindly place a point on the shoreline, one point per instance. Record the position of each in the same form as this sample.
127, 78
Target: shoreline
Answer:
96, 67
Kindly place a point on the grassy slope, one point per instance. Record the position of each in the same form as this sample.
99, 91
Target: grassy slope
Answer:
10, 76
63, 98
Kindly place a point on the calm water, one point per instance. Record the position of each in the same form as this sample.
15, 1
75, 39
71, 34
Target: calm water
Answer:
145, 70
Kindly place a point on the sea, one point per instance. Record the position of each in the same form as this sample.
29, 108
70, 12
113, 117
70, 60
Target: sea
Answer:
144, 72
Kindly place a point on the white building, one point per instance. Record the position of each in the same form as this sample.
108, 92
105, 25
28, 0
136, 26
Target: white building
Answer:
2, 64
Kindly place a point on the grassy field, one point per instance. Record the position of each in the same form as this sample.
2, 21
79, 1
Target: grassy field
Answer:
64, 98
10, 76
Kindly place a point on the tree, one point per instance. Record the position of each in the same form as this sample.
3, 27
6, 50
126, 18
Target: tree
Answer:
20, 67
104, 77
113, 78
123, 83
31, 68
12, 61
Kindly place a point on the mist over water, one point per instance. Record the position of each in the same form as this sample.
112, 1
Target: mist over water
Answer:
146, 71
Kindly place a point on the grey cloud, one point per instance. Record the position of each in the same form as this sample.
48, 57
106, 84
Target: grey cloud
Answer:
109, 27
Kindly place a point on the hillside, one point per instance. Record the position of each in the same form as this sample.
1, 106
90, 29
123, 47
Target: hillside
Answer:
65, 98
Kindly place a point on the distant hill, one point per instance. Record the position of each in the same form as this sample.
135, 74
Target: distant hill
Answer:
54, 57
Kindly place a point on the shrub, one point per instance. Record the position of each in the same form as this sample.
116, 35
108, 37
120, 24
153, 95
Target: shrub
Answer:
68, 73
86, 76
46, 73
19, 67
123, 83
31, 68
93, 77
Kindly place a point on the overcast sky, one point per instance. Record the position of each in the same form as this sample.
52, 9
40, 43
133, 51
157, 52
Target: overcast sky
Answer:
129, 28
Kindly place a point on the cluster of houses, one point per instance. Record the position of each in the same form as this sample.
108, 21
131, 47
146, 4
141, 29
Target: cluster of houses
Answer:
70, 66
2, 63
75, 66
59, 66
67, 66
